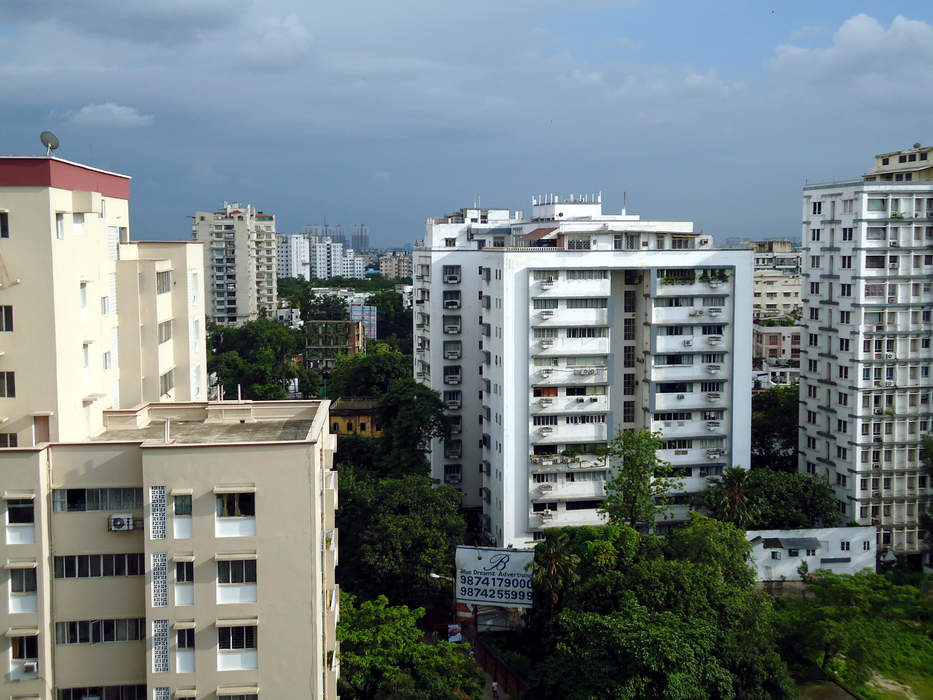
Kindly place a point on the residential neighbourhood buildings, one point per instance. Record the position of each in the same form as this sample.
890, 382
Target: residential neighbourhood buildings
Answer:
587, 322
865, 384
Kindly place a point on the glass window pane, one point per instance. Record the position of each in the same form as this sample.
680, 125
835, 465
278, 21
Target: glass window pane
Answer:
83, 566
109, 630
247, 504
116, 499
107, 564
95, 565
93, 499
119, 565
71, 567
121, 630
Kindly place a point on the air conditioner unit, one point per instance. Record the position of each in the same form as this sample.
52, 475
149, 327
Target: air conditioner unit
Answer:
546, 487
688, 342
452, 279
878, 412
594, 398
681, 423
713, 369
546, 372
452, 329
668, 424
681, 452
876, 494
892, 266
581, 399
714, 339
681, 396
546, 514
31, 667
889, 382
696, 312
453, 355
546, 401
120, 522
419, 374
892, 300
547, 342
547, 284
547, 313
715, 311
893, 244
879, 327
451, 304
890, 356
453, 405
713, 396
713, 425
546, 429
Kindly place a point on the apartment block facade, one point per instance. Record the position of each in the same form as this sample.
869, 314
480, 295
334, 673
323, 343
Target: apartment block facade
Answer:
310, 257
865, 386
777, 294
395, 266
90, 320
240, 260
159, 561
546, 335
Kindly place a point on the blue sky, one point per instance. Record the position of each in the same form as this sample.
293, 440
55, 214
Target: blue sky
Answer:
388, 113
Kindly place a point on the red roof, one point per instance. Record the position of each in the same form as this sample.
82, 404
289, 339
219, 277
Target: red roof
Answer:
538, 234
42, 171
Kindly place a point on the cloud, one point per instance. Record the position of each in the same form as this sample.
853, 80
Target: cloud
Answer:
110, 115
593, 77
277, 43
807, 31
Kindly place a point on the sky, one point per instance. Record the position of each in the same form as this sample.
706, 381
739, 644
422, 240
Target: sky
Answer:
387, 113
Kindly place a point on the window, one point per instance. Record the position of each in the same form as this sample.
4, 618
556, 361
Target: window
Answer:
236, 505
775, 555
80, 500
545, 303
77, 224
236, 637
8, 440
100, 631
7, 385
4, 224
25, 647
877, 204
588, 303
587, 274
847, 234
99, 565
167, 382
587, 332
846, 262
814, 261
20, 511
165, 331
237, 571
6, 319
185, 639
182, 505
817, 208
450, 242
814, 234
163, 282
866, 545
844, 545
23, 580
184, 572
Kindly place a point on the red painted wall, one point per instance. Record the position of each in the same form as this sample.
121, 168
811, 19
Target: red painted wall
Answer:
50, 172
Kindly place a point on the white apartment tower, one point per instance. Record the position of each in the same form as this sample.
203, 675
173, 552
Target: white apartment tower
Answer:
89, 321
865, 379
240, 257
546, 335
292, 255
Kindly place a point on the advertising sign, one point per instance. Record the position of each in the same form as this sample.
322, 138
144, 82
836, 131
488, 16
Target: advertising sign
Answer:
498, 577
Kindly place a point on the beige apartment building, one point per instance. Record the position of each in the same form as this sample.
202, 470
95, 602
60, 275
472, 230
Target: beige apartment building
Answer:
240, 260
776, 342
777, 294
88, 319
187, 551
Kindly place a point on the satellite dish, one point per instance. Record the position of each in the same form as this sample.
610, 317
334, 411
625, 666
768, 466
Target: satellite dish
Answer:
917, 145
49, 140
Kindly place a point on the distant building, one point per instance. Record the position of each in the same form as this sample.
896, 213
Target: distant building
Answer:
355, 416
293, 253
774, 374
777, 294
396, 265
289, 316
776, 342
240, 261
360, 238
325, 341
89, 320
369, 315
865, 390
778, 554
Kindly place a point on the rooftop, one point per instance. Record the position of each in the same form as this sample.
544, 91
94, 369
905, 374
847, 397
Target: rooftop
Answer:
218, 422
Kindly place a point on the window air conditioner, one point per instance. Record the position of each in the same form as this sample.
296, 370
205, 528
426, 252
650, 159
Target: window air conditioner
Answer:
120, 522
892, 300
894, 244
688, 342
31, 667
681, 396
889, 356
581, 399
546, 487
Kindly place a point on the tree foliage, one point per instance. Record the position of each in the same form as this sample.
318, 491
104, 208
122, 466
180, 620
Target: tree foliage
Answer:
383, 656
774, 428
394, 533
638, 489
394, 320
412, 415
324, 307
764, 499
640, 616
369, 373
258, 357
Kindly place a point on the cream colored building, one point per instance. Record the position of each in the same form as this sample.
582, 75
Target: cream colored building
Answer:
187, 551
88, 320
776, 294
240, 259
776, 342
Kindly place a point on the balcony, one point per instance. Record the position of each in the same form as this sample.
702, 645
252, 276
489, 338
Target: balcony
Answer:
451, 303
453, 405
570, 317
452, 378
452, 330
563, 432
573, 346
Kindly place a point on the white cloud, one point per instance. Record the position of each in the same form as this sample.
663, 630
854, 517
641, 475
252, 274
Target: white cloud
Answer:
109, 114
593, 77
277, 43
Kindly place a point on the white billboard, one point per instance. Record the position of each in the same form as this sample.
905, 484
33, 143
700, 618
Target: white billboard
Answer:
487, 576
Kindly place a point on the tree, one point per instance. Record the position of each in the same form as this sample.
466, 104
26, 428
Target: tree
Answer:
555, 567
394, 320
412, 415
324, 307
369, 373
637, 491
258, 357
774, 428
394, 533
729, 498
383, 656
784, 500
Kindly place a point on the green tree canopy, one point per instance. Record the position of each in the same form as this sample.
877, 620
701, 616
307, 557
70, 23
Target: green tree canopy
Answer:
774, 428
411, 414
383, 656
730, 498
640, 482
324, 307
369, 373
399, 531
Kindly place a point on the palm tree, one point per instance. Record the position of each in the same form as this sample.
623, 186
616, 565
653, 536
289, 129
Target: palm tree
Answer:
555, 566
730, 498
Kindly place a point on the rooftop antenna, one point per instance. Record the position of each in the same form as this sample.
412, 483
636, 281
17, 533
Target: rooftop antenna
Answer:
49, 140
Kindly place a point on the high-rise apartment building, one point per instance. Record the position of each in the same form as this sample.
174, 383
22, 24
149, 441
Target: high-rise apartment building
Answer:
865, 380
292, 256
360, 238
88, 320
395, 266
546, 335
240, 261
187, 551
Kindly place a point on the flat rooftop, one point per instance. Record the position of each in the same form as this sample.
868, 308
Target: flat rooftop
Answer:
212, 423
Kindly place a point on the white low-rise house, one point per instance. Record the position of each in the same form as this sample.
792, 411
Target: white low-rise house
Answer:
778, 554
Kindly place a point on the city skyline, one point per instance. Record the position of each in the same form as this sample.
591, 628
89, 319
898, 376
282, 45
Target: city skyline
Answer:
316, 111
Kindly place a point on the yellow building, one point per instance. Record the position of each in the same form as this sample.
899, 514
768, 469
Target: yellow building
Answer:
88, 320
187, 551
355, 416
